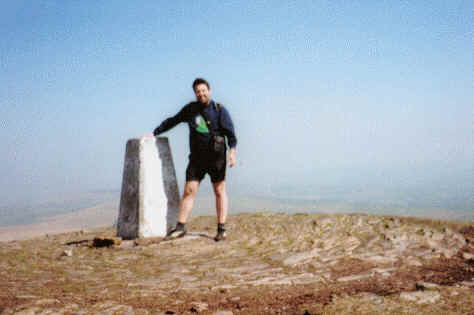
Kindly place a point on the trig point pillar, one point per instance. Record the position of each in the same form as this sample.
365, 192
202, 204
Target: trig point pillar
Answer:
150, 196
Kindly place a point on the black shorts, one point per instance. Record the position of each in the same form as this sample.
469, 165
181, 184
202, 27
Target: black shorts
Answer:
213, 164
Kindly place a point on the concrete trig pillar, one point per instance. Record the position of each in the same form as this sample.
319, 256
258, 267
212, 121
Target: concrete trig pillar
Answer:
150, 197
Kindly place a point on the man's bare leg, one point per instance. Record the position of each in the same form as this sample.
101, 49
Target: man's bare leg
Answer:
185, 206
186, 203
222, 202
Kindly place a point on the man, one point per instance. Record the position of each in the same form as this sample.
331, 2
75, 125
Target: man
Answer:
208, 123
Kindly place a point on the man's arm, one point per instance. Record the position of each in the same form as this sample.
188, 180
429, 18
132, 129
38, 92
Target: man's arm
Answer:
228, 130
171, 122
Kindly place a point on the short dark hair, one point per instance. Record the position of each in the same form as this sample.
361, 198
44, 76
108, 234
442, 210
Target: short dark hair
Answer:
200, 81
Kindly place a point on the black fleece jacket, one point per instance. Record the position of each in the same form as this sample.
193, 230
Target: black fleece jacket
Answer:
199, 136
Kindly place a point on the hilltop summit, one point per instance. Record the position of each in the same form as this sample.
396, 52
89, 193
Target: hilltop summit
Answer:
270, 264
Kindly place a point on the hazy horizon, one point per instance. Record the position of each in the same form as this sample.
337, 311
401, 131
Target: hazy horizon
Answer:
449, 202
357, 103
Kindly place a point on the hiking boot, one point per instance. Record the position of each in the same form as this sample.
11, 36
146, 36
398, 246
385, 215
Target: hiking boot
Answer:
174, 234
221, 236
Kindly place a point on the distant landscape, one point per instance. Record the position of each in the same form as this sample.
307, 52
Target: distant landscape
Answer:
33, 212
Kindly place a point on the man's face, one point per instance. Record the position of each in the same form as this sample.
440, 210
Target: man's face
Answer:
203, 94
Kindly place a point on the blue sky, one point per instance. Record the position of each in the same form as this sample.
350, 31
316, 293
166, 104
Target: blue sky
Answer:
320, 91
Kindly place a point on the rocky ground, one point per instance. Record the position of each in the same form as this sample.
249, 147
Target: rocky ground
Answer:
270, 264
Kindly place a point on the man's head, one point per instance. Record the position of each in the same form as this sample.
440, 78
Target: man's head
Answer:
202, 90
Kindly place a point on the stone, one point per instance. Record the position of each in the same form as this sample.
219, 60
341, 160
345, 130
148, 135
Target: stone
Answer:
448, 253
148, 241
427, 285
72, 306
28, 311
413, 261
67, 252
354, 277
467, 256
300, 258
421, 297
119, 309
127, 244
199, 306
26, 296
150, 197
437, 236
46, 302
377, 259
223, 313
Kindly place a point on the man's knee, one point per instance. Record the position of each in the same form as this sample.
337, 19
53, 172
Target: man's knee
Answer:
190, 190
219, 189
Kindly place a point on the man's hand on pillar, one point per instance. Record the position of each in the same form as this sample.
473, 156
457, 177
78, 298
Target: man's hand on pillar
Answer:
148, 135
